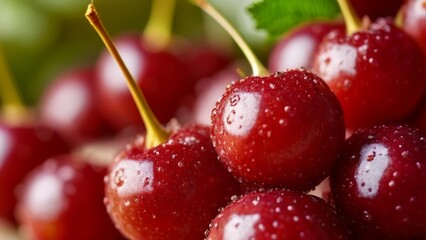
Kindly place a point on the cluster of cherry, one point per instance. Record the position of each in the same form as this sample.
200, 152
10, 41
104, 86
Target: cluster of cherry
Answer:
241, 167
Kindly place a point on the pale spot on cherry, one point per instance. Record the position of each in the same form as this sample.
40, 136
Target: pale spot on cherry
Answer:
5, 143
241, 112
240, 227
131, 177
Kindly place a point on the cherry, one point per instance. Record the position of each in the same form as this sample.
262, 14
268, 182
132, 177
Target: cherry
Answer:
152, 69
163, 186
63, 199
81, 120
22, 148
270, 130
24, 143
376, 9
362, 68
170, 191
377, 184
277, 214
297, 47
414, 21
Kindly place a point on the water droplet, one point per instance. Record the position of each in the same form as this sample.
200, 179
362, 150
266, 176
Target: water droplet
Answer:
127, 203
180, 164
366, 215
391, 183
119, 177
296, 218
231, 116
234, 99
404, 154
290, 208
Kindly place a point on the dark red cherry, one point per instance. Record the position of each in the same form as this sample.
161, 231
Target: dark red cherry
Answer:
379, 185
171, 191
414, 21
271, 131
378, 73
63, 199
377, 8
161, 76
22, 148
68, 105
297, 47
277, 214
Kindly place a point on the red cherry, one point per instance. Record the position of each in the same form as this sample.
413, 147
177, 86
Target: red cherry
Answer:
171, 191
277, 214
271, 130
161, 76
22, 148
377, 74
377, 8
80, 121
414, 21
379, 182
63, 200
296, 48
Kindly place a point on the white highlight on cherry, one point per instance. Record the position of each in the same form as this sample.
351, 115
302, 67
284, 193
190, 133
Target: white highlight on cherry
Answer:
374, 162
240, 227
241, 112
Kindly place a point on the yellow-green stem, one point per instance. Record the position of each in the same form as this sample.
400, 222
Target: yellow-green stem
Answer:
352, 21
9, 94
155, 133
158, 31
257, 67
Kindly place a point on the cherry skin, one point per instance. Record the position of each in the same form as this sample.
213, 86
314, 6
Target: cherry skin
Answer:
63, 199
376, 9
171, 191
297, 47
378, 183
270, 131
81, 120
414, 21
377, 74
277, 214
22, 148
161, 76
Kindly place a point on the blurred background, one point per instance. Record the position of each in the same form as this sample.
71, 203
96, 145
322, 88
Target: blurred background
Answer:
41, 38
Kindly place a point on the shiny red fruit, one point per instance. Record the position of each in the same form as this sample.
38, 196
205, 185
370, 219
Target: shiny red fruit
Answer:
161, 76
22, 148
271, 131
63, 200
277, 214
378, 74
379, 184
414, 21
297, 48
68, 105
171, 191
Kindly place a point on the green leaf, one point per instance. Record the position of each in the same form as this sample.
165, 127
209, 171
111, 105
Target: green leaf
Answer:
278, 16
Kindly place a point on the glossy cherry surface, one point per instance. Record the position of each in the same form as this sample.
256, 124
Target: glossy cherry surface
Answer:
277, 214
414, 21
22, 148
271, 130
379, 182
297, 47
161, 76
171, 191
63, 200
377, 8
80, 121
378, 74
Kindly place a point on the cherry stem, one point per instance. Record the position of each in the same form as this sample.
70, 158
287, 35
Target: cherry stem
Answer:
158, 29
257, 67
155, 133
352, 21
11, 99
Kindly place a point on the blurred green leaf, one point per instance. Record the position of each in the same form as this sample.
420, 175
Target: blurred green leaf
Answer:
278, 16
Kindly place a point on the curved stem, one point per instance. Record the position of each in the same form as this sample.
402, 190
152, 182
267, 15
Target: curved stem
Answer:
155, 133
257, 67
8, 92
352, 21
158, 29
